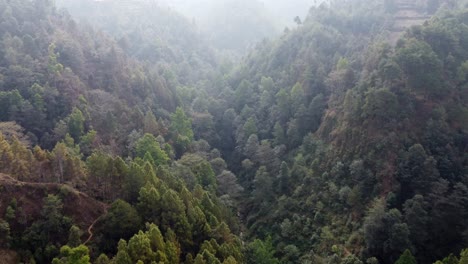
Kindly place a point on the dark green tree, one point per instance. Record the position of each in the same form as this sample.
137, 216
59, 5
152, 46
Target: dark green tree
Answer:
121, 222
421, 67
76, 124
43, 236
261, 252
74, 236
76, 255
149, 144
181, 130
406, 258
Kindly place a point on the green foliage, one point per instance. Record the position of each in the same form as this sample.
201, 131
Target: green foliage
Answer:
100, 169
122, 256
76, 124
46, 233
341, 121
121, 222
149, 144
462, 72
250, 127
417, 170
451, 259
77, 255
205, 175
242, 94
173, 214
150, 124
261, 252
380, 104
421, 66
147, 247
384, 231
149, 203
464, 256
54, 66
88, 142
406, 258
102, 259
10, 102
74, 236
4, 233
181, 130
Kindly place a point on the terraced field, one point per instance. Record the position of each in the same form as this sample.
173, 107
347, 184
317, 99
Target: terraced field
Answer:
408, 15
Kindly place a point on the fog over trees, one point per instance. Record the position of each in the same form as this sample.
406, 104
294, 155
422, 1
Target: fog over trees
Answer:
234, 131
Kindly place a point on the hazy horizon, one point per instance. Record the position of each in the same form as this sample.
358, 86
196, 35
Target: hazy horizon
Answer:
282, 11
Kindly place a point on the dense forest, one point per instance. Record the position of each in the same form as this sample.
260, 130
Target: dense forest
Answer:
131, 134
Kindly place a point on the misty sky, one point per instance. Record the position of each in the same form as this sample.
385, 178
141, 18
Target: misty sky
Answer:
226, 24
281, 11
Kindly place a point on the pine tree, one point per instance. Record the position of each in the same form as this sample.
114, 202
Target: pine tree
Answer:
76, 124
77, 255
139, 248
6, 155
451, 259
406, 258
21, 163
205, 175
60, 155
122, 256
261, 252
249, 128
284, 178
157, 243
181, 130
102, 259
4, 233
74, 236
464, 256
149, 144
150, 124
149, 203
279, 135
121, 222
230, 260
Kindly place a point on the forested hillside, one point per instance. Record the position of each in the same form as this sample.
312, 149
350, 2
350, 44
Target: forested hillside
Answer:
79, 111
151, 33
128, 136
351, 146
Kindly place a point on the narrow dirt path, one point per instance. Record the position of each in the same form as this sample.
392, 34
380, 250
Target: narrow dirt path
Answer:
79, 205
90, 228
346, 252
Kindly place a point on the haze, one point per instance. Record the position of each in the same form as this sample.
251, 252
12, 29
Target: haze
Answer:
283, 11
228, 25
234, 131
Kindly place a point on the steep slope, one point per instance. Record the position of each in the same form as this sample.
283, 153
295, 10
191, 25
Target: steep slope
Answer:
82, 208
24, 205
50, 67
348, 149
346, 145
150, 32
78, 109
8, 257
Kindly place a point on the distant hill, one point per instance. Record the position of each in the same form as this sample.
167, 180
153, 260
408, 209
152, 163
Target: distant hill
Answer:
229, 24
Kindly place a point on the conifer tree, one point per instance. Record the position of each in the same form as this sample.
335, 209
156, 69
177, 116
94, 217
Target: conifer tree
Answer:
406, 258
